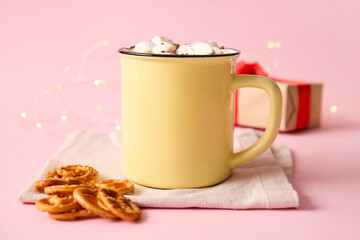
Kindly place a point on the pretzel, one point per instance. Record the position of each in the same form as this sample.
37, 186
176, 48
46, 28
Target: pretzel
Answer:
75, 193
57, 203
73, 172
88, 198
121, 186
73, 214
66, 188
119, 205
41, 185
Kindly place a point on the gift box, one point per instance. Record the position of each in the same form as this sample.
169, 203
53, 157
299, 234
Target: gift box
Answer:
301, 102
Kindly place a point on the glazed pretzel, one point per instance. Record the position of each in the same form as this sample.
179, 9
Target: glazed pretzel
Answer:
121, 186
73, 214
73, 172
88, 199
119, 205
57, 203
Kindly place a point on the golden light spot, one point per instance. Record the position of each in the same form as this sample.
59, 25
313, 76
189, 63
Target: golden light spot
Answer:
99, 107
333, 108
64, 117
96, 82
23, 114
271, 45
38, 125
117, 127
105, 42
277, 45
59, 87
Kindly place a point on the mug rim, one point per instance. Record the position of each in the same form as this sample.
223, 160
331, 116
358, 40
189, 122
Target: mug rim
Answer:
127, 51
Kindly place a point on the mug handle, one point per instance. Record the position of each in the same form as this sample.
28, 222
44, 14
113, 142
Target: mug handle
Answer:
272, 89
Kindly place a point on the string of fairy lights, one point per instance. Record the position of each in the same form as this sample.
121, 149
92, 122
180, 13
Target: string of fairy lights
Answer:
62, 85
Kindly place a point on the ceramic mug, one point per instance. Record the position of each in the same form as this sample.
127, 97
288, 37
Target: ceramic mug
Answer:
178, 118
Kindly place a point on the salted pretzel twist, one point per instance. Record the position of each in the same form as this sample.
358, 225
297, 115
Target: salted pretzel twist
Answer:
88, 199
66, 188
57, 203
73, 214
42, 184
121, 186
119, 205
73, 172
75, 193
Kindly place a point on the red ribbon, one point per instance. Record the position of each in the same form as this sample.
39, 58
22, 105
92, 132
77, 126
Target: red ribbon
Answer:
304, 89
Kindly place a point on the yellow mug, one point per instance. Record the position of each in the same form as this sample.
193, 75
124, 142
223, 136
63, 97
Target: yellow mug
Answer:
178, 118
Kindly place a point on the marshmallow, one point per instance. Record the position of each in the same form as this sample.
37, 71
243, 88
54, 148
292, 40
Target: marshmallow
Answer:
160, 39
213, 44
185, 49
217, 51
202, 48
228, 51
144, 47
164, 47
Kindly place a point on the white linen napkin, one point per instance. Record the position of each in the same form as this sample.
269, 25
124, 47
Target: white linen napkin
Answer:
263, 182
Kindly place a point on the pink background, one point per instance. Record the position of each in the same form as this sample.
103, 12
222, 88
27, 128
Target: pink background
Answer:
319, 42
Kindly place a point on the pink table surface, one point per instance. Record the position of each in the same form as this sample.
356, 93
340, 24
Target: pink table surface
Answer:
319, 42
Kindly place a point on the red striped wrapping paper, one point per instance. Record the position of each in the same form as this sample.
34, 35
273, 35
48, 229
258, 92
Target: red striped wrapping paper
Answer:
301, 102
